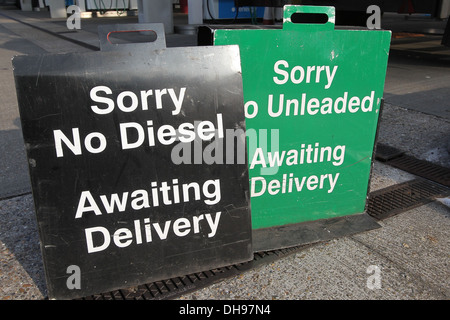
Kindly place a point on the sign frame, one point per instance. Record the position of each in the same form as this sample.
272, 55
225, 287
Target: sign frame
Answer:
121, 197
301, 83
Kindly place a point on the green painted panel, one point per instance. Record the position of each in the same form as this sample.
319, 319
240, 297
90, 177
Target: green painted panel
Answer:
312, 95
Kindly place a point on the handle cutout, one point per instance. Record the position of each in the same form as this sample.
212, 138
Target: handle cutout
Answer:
309, 18
131, 36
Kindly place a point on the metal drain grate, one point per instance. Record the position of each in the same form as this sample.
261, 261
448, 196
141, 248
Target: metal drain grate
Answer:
175, 287
390, 201
386, 153
170, 288
421, 168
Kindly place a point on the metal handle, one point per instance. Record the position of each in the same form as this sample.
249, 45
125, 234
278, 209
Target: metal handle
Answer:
105, 31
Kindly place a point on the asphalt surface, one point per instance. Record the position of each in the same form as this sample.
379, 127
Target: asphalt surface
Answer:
411, 250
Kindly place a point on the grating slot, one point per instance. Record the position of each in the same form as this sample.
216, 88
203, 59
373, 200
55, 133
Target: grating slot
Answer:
198, 276
155, 289
148, 295
169, 286
105, 296
192, 278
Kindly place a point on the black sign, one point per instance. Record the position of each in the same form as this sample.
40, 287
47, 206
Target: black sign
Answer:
138, 164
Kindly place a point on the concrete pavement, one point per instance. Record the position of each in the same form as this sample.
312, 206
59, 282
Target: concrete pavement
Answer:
410, 250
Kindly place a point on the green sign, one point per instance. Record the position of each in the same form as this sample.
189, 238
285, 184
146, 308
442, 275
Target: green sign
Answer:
312, 99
